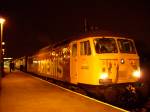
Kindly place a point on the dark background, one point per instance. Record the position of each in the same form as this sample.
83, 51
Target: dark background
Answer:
33, 24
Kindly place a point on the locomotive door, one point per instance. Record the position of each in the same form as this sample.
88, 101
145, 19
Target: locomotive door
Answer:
74, 63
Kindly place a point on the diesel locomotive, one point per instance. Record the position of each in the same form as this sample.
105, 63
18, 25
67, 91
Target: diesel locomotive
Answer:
94, 61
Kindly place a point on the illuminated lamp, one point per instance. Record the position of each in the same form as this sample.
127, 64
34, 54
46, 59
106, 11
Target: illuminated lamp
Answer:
122, 61
104, 76
137, 74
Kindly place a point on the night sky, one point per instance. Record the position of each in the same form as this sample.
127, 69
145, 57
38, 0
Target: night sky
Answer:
33, 24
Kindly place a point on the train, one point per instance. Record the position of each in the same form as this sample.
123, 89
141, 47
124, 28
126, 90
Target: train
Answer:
95, 61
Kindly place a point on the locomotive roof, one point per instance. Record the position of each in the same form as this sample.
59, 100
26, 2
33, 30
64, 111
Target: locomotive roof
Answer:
80, 36
89, 34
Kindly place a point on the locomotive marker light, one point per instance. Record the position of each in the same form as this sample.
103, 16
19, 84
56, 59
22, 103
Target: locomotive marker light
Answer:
122, 61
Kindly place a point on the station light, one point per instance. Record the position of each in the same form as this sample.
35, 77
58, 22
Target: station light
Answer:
3, 51
2, 20
7, 58
3, 43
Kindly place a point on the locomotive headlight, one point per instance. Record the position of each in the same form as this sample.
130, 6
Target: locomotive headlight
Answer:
104, 75
137, 74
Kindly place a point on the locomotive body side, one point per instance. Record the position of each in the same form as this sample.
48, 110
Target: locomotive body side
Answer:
53, 63
83, 61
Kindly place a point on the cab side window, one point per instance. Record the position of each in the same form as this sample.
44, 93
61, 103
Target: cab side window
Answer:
85, 48
74, 50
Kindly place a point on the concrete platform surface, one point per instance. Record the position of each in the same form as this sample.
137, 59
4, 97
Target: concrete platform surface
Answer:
23, 93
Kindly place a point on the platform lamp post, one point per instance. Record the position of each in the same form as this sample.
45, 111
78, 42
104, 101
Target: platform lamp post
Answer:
2, 20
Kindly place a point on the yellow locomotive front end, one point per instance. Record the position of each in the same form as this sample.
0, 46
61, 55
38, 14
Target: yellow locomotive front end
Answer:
101, 60
116, 61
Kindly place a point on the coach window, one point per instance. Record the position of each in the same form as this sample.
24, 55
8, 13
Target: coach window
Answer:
74, 50
30, 61
85, 48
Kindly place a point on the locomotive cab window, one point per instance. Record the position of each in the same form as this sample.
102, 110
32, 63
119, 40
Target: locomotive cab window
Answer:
126, 46
85, 48
74, 50
105, 45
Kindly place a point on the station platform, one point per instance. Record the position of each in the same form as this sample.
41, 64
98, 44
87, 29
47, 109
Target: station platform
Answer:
21, 92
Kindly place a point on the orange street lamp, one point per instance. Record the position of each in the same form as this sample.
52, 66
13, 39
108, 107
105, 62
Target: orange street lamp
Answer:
2, 20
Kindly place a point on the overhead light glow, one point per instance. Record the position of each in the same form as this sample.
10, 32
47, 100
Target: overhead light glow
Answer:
7, 58
2, 20
3, 43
